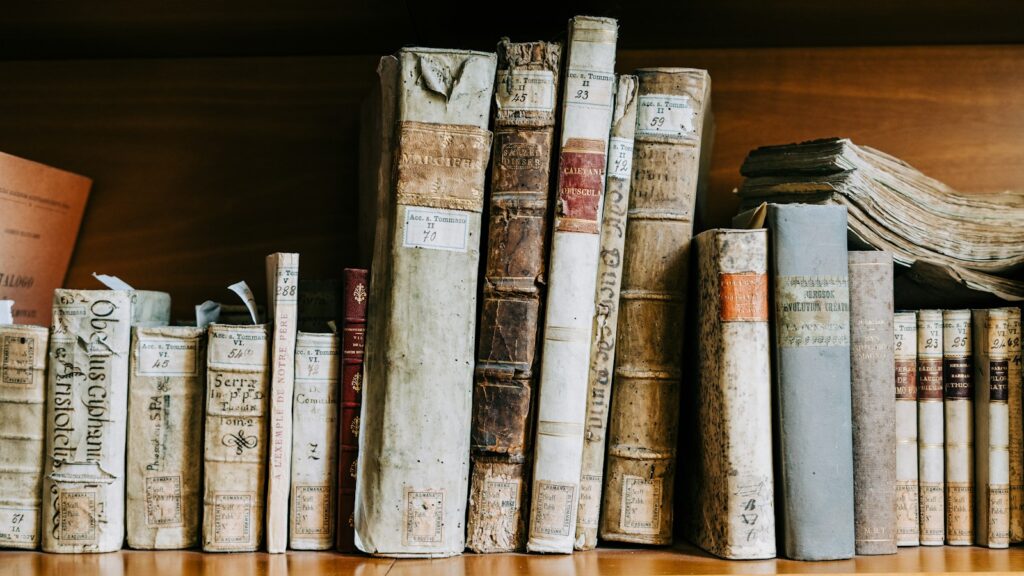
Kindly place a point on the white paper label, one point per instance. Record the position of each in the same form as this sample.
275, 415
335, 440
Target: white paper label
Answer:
620, 158
589, 88
245, 293
112, 282
6, 312
664, 115
167, 357
436, 229
532, 90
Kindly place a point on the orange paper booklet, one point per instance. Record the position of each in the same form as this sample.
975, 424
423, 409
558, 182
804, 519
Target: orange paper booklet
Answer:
40, 212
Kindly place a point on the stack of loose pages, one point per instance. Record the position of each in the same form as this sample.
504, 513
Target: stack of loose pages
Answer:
944, 236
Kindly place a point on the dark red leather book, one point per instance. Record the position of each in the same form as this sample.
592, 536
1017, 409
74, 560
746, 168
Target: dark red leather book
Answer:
353, 332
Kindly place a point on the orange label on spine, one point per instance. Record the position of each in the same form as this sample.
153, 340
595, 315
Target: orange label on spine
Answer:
743, 297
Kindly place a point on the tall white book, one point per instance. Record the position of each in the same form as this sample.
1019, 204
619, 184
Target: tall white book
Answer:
990, 334
930, 435
908, 529
575, 246
958, 397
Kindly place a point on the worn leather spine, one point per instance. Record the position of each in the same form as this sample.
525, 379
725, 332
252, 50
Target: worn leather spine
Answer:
908, 529
525, 93
282, 306
930, 429
958, 406
638, 493
606, 319
86, 423
990, 336
575, 250
872, 381
315, 442
235, 437
166, 387
419, 353
353, 346
733, 501
812, 380
22, 433
1016, 422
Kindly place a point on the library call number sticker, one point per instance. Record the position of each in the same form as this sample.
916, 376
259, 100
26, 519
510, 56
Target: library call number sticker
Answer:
665, 115
436, 229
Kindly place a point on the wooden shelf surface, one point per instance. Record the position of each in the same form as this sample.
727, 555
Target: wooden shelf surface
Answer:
683, 560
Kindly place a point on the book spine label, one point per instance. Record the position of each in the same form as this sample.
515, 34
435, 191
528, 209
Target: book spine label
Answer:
505, 375
1016, 425
990, 339
87, 412
609, 282
930, 428
958, 389
22, 433
165, 445
908, 529
315, 442
874, 406
575, 251
648, 371
353, 346
283, 285
235, 440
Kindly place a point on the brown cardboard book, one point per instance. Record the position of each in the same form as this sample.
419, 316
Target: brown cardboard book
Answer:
40, 212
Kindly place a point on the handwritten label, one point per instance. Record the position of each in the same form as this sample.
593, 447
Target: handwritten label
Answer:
17, 362
933, 522
665, 115
167, 357
532, 90
753, 508
77, 511
502, 496
163, 501
908, 526
620, 158
312, 510
232, 518
19, 527
552, 508
590, 501
641, 505
436, 229
590, 88
812, 311
423, 518
957, 362
959, 512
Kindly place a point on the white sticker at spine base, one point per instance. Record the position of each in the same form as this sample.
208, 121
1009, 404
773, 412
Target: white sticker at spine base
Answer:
620, 158
665, 115
436, 229
532, 90
589, 88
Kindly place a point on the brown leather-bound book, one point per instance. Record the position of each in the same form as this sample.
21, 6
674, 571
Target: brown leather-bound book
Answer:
672, 108
355, 296
525, 95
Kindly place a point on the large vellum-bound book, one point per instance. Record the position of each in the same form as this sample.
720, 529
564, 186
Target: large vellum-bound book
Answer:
908, 529
501, 440
418, 391
1016, 408
315, 442
87, 410
282, 308
990, 337
672, 106
22, 433
958, 405
165, 436
872, 381
930, 435
235, 453
812, 380
568, 321
606, 320
733, 501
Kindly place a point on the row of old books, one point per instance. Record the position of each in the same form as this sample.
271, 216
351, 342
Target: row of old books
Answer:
224, 433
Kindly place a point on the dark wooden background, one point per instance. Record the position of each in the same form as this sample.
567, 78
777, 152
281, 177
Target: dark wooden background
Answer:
219, 132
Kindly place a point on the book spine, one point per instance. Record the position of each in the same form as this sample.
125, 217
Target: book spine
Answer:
165, 409
235, 439
86, 417
958, 392
734, 488
908, 529
420, 335
575, 251
22, 433
812, 370
606, 320
990, 336
282, 307
638, 495
930, 429
872, 380
355, 298
315, 442
1016, 424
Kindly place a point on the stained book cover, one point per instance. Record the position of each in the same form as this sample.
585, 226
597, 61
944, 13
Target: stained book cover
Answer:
908, 529
525, 94
22, 433
731, 510
812, 380
353, 346
235, 437
1016, 422
673, 106
166, 387
418, 374
588, 99
990, 337
874, 405
930, 429
958, 406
